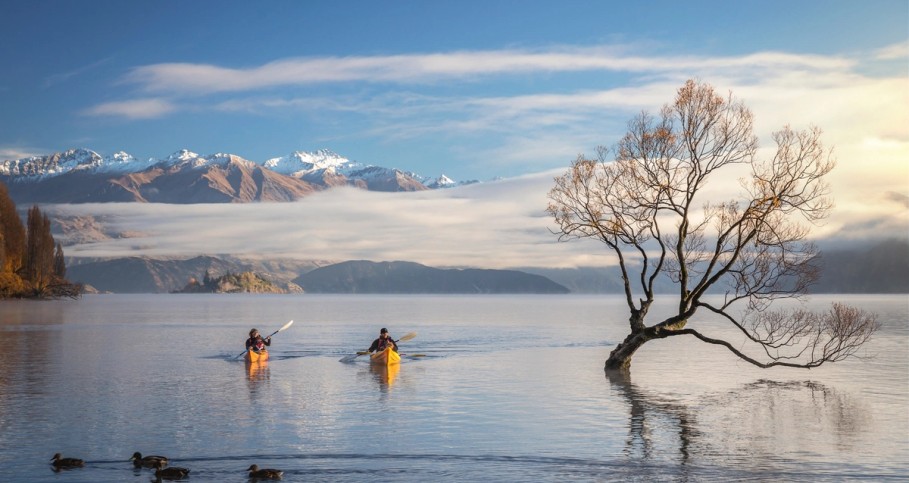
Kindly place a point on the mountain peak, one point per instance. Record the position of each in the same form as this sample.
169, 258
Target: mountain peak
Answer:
182, 155
303, 163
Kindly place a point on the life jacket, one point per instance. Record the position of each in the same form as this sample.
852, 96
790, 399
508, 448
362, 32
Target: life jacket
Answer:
257, 344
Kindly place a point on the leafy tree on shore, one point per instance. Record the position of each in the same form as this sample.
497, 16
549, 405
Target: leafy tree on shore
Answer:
31, 263
649, 206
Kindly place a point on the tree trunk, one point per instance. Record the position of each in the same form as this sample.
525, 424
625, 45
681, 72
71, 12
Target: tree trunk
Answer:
620, 357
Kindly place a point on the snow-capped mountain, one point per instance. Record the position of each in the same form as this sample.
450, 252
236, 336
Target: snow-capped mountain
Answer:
300, 163
82, 175
440, 182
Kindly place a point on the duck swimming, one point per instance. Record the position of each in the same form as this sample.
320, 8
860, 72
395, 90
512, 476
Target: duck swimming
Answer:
150, 461
172, 473
266, 473
60, 463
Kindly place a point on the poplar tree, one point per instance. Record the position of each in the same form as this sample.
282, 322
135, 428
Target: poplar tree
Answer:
39, 253
13, 233
59, 262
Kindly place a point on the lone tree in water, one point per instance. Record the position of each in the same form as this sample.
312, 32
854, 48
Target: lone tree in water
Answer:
649, 207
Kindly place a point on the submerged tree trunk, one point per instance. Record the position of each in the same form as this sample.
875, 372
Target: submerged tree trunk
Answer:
620, 357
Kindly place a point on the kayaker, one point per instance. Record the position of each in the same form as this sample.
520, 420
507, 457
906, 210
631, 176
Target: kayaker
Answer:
383, 341
256, 342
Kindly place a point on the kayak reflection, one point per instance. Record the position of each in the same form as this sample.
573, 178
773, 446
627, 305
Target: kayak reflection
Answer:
385, 375
257, 370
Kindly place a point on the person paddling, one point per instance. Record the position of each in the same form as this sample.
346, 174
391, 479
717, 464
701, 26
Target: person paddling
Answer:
383, 342
255, 342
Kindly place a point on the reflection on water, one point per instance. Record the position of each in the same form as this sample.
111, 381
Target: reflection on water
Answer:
764, 417
648, 419
385, 375
789, 417
257, 371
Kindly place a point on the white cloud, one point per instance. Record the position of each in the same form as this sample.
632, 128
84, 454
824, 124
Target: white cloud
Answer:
493, 225
19, 152
133, 109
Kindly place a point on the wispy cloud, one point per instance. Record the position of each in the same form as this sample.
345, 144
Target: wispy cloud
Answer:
434, 67
134, 109
892, 52
62, 77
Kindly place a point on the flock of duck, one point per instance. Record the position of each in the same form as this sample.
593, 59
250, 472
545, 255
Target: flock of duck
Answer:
162, 471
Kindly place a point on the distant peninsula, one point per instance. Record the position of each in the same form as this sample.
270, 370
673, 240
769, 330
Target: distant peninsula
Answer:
245, 282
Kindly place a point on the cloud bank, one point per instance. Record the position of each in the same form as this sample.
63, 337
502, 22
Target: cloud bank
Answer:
490, 225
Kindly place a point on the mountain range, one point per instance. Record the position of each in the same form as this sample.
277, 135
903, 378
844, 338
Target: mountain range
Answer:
879, 268
84, 176
146, 275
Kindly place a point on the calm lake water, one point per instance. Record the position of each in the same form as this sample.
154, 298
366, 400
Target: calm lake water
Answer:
511, 388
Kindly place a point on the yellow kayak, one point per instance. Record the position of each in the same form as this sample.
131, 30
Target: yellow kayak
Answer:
253, 356
385, 358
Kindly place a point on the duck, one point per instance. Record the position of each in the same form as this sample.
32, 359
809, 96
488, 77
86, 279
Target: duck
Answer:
171, 473
265, 473
60, 462
150, 461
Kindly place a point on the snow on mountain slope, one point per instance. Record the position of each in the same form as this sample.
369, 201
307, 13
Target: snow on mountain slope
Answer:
323, 168
301, 163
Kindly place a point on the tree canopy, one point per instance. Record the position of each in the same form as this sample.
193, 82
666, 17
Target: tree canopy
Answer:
646, 200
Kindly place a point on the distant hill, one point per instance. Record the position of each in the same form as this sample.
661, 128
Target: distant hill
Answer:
408, 277
880, 268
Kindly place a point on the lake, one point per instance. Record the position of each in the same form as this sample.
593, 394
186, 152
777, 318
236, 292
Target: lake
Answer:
494, 388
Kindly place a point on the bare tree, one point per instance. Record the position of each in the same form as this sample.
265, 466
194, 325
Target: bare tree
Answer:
648, 206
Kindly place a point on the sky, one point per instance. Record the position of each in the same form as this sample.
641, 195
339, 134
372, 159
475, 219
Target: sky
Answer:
483, 90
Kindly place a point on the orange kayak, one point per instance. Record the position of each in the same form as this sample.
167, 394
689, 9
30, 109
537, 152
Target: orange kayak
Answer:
253, 356
385, 358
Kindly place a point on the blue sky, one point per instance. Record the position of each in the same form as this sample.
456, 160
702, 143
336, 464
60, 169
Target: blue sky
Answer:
471, 89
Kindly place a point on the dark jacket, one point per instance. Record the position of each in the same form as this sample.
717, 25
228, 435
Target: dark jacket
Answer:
257, 344
380, 344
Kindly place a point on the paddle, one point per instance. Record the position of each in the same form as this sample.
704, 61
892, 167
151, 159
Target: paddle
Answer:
406, 337
269, 335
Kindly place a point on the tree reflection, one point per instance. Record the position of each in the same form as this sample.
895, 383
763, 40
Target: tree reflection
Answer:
749, 425
652, 419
